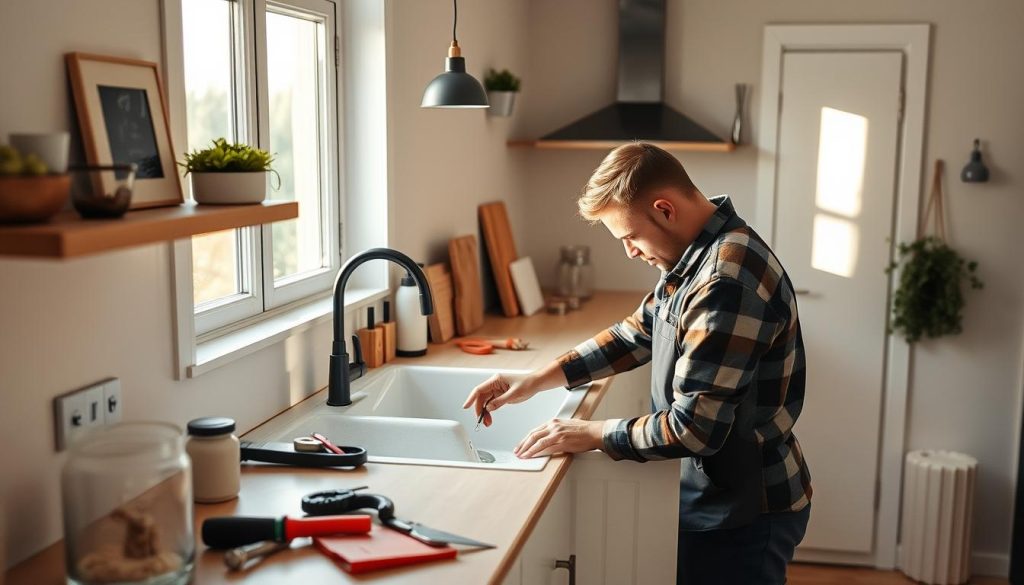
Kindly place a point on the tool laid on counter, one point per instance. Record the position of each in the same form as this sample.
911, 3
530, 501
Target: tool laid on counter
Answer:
237, 558
348, 500
287, 454
328, 444
481, 346
236, 531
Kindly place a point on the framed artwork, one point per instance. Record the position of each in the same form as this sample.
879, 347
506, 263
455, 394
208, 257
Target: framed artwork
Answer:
122, 116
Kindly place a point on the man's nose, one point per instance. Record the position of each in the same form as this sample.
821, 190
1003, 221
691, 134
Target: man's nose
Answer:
631, 250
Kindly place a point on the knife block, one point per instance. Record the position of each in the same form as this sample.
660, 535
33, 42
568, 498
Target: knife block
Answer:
372, 340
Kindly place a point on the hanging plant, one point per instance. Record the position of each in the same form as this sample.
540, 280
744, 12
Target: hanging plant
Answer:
929, 300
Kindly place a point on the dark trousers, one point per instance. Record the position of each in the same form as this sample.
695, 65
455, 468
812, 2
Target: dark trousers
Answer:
756, 554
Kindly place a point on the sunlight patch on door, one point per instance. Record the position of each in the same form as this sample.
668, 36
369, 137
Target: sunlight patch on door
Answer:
841, 153
835, 244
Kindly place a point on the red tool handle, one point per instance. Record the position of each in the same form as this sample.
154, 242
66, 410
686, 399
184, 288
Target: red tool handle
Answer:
328, 444
326, 525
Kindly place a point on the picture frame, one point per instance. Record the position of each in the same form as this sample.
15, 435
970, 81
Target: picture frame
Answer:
122, 116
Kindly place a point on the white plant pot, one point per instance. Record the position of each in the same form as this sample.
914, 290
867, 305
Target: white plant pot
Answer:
502, 103
229, 188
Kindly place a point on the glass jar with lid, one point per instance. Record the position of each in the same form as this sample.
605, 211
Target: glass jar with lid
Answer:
575, 274
127, 500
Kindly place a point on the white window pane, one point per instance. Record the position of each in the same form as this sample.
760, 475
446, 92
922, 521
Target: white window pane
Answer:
214, 266
296, 74
208, 44
210, 113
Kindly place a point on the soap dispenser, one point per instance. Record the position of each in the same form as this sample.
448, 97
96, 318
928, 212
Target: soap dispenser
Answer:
412, 326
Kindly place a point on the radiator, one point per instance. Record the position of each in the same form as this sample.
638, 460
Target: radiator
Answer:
938, 500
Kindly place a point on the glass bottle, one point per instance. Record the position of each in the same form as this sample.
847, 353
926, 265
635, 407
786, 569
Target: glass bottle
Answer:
127, 499
575, 274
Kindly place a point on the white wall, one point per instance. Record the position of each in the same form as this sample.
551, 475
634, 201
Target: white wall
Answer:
66, 324
966, 391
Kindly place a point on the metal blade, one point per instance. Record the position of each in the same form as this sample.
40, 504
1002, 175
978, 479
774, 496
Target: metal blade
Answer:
432, 536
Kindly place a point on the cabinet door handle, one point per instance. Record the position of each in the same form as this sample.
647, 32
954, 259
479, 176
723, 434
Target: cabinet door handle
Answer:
571, 566
803, 291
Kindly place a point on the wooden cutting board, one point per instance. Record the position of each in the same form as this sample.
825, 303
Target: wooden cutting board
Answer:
501, 249
469, 298
442, 322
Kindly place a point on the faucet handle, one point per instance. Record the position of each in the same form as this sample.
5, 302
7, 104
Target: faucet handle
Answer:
357, 351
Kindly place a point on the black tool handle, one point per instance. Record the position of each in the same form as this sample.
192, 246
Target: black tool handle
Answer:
332, 502
353, 457
235, 531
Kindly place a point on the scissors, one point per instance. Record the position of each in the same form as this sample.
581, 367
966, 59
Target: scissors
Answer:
480, 346
330, 502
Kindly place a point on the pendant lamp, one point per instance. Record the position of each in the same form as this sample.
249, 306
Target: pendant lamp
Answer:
454, 88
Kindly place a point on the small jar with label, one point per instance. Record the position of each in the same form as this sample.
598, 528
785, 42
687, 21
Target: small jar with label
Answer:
215, 453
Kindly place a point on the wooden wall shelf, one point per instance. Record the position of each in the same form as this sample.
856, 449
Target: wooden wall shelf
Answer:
67, 235
610, 144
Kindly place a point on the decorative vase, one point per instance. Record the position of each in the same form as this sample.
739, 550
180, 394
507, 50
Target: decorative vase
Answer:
742, 95
229, 188
502, 103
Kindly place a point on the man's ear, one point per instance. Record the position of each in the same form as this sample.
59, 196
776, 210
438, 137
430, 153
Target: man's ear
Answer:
665, 209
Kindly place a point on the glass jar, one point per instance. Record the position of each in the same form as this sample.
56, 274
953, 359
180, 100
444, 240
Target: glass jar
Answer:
216, 459
127, 495
575, 274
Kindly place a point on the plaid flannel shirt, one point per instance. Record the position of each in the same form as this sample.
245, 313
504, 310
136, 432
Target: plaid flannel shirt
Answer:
737, 332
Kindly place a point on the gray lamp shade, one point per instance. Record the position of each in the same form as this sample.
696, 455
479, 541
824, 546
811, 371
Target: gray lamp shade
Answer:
454, 88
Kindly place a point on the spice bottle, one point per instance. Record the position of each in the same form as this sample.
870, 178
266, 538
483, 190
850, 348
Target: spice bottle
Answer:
215, 453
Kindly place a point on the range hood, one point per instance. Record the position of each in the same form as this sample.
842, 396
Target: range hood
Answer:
639, 113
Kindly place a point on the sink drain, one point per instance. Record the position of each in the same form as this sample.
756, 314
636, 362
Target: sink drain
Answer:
484, 456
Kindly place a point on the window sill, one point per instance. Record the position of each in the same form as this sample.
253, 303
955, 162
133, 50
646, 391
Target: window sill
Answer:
224, 349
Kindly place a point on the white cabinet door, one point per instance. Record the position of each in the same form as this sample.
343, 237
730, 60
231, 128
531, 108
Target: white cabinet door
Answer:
836, 174
550, 541
619, 518
627, 520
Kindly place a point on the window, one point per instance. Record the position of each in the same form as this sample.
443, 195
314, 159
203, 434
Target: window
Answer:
265, 73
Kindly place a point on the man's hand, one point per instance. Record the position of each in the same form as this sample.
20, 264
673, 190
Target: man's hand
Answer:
561, 436
498, 390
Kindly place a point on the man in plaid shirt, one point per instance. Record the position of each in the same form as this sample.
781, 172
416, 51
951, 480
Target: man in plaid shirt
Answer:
722, 332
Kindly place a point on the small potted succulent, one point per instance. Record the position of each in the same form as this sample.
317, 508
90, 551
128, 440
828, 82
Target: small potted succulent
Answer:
502, 87
228, 173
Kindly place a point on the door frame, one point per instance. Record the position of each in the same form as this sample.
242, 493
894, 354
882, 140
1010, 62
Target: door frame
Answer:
912, 40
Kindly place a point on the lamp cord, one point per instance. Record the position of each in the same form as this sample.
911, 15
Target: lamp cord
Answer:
455, 21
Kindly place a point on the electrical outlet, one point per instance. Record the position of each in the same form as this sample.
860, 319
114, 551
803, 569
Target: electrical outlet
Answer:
80, 411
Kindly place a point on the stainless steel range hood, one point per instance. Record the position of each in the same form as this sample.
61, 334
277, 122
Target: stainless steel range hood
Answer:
639, 113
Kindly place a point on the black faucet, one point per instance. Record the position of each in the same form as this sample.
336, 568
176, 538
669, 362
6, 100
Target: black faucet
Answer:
342, 372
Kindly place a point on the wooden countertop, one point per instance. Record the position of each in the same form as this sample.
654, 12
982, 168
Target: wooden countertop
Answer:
492, 505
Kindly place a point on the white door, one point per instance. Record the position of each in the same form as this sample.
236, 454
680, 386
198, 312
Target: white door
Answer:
838, 132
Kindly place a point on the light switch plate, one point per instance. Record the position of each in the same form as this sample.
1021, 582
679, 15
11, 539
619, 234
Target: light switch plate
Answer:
112, 402
80, 411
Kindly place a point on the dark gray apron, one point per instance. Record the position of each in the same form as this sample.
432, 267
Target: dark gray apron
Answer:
723, 490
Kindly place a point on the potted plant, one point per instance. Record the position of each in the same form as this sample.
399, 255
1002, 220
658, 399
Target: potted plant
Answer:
928, 300
502, 87
228, 173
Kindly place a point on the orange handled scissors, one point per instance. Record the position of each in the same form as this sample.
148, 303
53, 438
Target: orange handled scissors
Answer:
480, 346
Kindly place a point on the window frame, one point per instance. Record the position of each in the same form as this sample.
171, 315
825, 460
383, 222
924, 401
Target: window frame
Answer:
260, 294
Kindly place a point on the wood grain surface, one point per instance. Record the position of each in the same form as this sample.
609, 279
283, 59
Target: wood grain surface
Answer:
501, 249
469, 298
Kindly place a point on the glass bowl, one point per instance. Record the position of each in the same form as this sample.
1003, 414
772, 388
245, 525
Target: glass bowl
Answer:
102, 191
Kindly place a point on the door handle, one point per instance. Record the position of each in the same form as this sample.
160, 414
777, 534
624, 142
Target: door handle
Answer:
803, 291
570, 565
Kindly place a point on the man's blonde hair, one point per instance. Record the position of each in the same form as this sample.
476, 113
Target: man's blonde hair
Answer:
629, 172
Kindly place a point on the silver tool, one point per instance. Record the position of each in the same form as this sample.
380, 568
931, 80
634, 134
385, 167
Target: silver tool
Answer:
236, 558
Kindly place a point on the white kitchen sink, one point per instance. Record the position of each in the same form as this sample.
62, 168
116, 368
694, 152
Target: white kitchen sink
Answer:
414, 415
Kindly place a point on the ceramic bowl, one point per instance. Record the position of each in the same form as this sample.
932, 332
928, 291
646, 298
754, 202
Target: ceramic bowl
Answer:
26, 199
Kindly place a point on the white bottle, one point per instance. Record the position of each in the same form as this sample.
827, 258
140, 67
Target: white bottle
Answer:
412, 326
